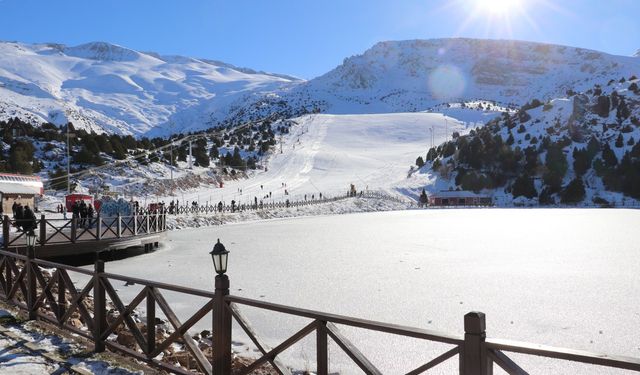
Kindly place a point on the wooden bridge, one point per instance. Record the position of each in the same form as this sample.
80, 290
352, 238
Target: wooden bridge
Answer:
64, 237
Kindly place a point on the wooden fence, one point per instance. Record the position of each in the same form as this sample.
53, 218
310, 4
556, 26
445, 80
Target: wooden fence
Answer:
52, 296
73, 230
213, 209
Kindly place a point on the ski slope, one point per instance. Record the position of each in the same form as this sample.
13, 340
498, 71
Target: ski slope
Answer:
326, 153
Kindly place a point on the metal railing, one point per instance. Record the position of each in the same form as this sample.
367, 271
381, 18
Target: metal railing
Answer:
56, 299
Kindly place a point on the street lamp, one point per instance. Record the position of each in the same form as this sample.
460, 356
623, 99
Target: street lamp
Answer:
220, 256
31, 239
221, 313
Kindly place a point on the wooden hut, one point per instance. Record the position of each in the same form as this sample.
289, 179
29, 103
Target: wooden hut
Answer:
19, 188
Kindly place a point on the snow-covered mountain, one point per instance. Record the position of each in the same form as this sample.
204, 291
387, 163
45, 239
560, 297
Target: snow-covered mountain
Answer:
105, 87
101, 86
413, 75
579, 150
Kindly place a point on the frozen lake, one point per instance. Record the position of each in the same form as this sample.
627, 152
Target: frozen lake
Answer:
562, 277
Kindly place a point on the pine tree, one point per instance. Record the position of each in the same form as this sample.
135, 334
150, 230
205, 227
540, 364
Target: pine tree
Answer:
608, 156
523, 186
573, 192
581, 162
619, 141
420, 162
556, 164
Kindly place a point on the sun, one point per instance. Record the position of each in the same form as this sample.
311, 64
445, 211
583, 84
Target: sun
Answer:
501, 8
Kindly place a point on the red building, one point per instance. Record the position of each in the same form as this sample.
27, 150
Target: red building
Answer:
73, 198
459, 198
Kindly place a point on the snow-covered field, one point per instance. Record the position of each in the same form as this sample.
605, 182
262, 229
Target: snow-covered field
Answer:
557, 277
326, 153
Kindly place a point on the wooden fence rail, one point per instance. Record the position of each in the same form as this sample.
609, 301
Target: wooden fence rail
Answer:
46, 291
215, 209
73, 230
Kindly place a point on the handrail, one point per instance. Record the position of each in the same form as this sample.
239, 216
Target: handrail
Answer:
353, 322
574, 355
25, 279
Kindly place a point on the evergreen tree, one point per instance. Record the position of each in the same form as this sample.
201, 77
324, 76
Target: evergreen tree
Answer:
556, 164
619, 141
523, 186
608, 156
574, 192
420, 162
20, 157
581, 162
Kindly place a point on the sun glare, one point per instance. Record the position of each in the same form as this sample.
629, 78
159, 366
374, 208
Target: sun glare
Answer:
498, 7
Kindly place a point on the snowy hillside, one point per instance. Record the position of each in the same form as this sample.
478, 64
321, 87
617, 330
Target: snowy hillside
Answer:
107, 88
412, 75
320, 154
584, 149
104, 87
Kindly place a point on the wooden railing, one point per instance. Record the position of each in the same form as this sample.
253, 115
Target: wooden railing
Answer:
62, 231
213, 209
52, 296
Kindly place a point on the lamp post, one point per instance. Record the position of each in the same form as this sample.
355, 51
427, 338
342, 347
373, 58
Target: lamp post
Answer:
221, 313
31, 239
31, 276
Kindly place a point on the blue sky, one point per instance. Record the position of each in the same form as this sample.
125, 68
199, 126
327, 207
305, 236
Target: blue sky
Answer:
308, 38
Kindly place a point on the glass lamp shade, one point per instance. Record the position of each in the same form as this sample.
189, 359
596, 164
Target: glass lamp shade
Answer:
220, 257
31, 239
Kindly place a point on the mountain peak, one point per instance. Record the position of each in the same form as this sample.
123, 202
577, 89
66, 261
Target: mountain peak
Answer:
637, 54
102, 51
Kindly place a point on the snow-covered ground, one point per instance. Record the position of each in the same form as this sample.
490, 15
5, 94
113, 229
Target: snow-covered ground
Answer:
557, 277
326, 153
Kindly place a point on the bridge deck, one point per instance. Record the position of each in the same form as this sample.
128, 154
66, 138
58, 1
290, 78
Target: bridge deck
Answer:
64, 237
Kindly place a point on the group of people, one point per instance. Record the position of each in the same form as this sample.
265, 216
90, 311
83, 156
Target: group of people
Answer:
84, 212
25, 219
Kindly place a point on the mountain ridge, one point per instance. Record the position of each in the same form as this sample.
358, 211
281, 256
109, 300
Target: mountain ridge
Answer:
106, 87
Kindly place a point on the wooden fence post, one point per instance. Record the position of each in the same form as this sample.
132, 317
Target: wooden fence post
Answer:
99, 306
119, 226
99, 227
74, 228
31, 282
43, 230
322, 355
151, 321
5, 231
221, 328
473, 356
135, 223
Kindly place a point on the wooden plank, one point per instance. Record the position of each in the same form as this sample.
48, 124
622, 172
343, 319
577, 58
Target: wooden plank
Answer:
280, 348
351, 350
125, 313
46, 290
354, 322
623, 362
191, 344
76, 300
506, 363
204, 310
436, 361
257, 341
17, 282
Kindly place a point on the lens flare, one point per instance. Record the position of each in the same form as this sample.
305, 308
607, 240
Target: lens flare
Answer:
446, 82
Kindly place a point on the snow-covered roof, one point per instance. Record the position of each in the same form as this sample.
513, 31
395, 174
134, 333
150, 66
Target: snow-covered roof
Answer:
19, 184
